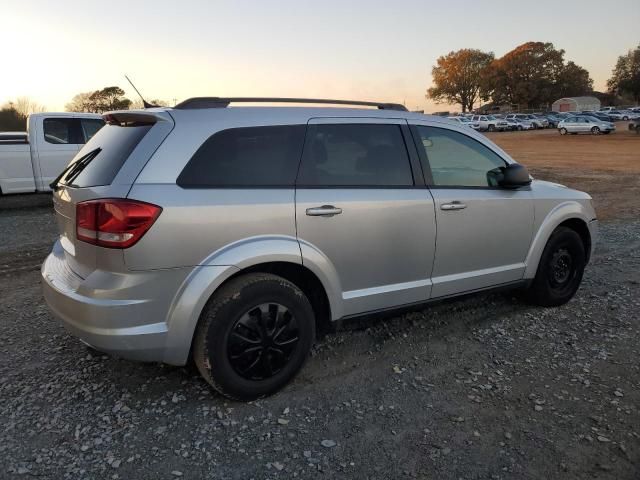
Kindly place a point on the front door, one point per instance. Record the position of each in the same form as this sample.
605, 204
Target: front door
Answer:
358, 208
484, 231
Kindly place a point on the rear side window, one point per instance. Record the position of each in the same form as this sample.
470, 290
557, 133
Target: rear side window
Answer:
359, 155
90, 127
62, 131
246, 157
115, 144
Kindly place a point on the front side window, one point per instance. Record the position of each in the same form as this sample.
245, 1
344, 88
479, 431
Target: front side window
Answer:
358, 155
61, 131
457, 160
246, 157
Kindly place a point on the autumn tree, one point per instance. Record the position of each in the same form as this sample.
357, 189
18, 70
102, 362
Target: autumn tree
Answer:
81, 103
625, 78
11, 120
137, 104
26, 106
457, 77
100, 101
573, 81
535, 74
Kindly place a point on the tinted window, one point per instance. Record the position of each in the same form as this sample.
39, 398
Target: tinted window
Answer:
61, 131
116, 144
355, 155
90, 127
458, 160
242, 157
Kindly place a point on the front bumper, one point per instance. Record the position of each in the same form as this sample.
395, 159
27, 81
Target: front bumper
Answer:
118, 313
593, 234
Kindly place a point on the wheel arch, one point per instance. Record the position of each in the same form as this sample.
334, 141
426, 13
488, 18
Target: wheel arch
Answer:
279, 255
570, 214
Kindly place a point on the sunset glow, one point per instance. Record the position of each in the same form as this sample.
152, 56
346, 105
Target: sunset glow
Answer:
358, 50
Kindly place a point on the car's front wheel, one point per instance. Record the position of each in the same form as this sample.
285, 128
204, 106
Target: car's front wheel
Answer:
563, 131
253, 336
560, 269
595, 131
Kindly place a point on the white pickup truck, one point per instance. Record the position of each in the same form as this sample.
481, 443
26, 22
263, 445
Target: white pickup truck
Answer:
30, 161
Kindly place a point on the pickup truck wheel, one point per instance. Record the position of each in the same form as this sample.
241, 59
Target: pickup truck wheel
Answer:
253, 336
560, 269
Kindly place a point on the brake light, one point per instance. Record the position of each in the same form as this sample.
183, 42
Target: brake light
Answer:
114, 222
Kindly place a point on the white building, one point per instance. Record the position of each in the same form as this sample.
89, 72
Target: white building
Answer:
576, 104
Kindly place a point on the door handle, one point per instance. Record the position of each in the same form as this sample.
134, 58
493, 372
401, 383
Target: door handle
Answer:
453, 206
324, 211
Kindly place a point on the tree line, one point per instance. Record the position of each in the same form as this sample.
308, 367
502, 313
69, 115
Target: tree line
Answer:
532, 75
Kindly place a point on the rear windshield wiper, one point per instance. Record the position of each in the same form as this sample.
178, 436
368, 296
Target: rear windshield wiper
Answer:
73, 170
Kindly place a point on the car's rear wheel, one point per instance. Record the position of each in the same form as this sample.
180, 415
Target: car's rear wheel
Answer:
253, 336
491, 128
563, 131
560, 269
595, 130
519, 128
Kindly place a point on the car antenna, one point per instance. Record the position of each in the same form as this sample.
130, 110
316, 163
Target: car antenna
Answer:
145, 104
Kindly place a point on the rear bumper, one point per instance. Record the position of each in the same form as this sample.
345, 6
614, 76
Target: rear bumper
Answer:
119, 313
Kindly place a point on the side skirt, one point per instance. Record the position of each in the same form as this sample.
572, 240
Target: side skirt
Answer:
412, 307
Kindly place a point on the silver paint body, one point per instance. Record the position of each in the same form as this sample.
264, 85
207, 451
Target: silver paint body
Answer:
584, 124
388, 247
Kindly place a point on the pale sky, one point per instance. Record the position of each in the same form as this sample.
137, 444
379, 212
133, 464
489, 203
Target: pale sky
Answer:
353, 49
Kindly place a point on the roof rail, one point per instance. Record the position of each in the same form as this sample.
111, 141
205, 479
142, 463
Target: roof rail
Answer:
223, 102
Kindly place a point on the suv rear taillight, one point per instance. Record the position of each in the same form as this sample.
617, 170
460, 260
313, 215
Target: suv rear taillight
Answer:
114, 222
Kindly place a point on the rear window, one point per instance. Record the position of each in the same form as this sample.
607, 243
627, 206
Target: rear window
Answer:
246, 157
116, 144
61, 131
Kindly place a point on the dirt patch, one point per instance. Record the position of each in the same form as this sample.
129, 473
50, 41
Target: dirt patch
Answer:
605, 166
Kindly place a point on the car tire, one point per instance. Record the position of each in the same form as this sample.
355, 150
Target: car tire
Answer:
491, 128
563, 131
519, 128
625, 118
254, 335
560, 269
595, 131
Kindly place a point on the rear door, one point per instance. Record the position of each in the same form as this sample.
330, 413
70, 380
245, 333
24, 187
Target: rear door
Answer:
359, 207
484, 231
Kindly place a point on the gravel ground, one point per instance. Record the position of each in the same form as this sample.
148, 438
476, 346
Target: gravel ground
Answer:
484, 387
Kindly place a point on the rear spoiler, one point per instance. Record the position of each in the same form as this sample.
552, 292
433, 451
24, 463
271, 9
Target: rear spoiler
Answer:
135, 118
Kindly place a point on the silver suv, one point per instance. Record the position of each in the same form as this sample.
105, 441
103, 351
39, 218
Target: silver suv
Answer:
228, 235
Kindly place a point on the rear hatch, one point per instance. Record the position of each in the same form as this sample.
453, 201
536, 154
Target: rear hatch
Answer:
105, 167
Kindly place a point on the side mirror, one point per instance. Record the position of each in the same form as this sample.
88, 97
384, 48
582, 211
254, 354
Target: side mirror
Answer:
514, 175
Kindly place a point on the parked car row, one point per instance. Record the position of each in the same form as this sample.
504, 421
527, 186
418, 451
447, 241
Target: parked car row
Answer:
510, 122
598, 122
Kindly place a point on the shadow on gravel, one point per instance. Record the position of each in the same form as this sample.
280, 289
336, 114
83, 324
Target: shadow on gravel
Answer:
26, 201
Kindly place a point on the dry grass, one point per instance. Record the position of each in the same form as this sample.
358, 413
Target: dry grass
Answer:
606, 166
